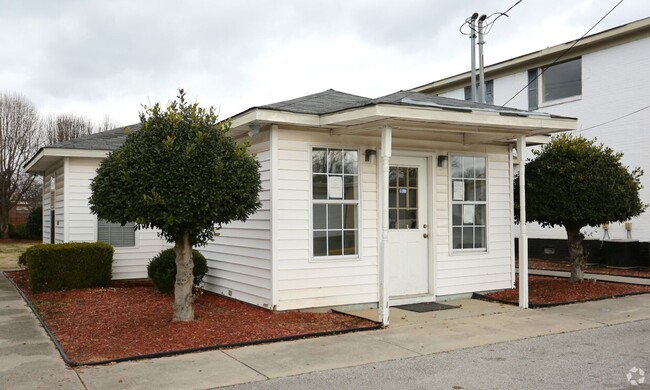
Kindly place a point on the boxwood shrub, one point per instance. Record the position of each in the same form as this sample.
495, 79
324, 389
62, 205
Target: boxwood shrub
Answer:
55, 267
162, 269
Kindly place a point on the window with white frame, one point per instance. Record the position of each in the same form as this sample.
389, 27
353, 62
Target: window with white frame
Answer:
115, 234
335, 202
562, 80
469, 202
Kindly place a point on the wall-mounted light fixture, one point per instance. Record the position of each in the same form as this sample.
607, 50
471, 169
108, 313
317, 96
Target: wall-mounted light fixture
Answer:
254, 130
442, 161
371, 155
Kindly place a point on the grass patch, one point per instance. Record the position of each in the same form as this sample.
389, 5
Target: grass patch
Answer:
10, 251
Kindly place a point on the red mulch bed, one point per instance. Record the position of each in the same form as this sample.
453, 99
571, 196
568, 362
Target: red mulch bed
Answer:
556, 265
548, 291
116, 322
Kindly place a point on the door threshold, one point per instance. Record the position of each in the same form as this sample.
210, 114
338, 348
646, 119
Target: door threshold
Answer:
409, 299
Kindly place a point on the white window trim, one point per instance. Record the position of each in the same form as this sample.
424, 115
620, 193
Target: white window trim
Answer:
464, 251
358, 202
541, 102
117, 248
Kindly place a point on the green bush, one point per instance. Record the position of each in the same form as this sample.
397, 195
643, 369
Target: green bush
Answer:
18, 232
162, 269
34, 225
54, 267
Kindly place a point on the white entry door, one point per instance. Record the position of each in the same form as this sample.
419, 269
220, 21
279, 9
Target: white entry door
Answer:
408, 242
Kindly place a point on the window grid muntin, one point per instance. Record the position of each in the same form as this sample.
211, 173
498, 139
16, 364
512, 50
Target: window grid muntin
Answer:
348, 232
474, 181
398, 211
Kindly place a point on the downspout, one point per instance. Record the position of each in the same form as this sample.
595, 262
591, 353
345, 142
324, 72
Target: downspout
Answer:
523, 237
472, 37
481, 42
386, 148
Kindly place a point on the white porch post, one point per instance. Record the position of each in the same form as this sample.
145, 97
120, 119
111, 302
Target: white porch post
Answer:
386, 147
523, 237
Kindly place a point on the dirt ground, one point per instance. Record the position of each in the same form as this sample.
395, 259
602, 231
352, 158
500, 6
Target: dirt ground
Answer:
10, 250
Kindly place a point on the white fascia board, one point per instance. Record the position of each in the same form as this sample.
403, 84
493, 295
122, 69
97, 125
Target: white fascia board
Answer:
476, 118
60, 152
259, 115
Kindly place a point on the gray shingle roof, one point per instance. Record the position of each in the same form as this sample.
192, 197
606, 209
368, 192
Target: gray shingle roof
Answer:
331, 101
325, 102
106, 140
319, 103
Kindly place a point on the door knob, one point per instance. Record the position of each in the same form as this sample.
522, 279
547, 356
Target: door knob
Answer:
425, 235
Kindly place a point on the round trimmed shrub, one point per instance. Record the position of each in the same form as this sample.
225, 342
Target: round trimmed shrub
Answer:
162, 269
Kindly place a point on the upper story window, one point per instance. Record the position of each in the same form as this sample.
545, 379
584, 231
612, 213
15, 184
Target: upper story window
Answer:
489, 92
559, 81
116, 234
469, 202
335, 202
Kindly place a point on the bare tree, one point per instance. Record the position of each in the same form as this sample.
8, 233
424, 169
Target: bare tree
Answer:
63, 127
20, 138
107, 124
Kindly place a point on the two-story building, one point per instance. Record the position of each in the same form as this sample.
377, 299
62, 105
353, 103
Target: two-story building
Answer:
600, 79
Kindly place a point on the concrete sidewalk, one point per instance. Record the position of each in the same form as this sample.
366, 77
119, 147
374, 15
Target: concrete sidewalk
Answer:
410, 334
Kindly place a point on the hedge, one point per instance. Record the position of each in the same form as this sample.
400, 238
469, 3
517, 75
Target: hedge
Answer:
55, 267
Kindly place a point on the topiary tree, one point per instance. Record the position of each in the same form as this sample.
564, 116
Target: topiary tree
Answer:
180, 173
574, 182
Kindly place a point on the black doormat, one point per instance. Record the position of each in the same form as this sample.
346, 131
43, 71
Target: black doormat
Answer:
427, 306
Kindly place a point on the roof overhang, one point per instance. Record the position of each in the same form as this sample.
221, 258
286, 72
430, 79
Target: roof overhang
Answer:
46, 157
468, 125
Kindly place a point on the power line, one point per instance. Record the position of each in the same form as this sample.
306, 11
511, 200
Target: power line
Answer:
615, 119
562, 55
488, 26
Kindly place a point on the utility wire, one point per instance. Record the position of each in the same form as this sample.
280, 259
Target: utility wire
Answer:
488, 26
614, 120
562, 55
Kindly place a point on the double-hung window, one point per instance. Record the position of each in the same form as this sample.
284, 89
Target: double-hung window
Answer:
335, 202
469, 202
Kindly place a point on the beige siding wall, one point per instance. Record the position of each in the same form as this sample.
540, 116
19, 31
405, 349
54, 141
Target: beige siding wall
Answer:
128, 262
302, 281
239, 259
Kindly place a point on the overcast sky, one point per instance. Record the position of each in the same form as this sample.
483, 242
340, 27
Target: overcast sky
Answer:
97, 58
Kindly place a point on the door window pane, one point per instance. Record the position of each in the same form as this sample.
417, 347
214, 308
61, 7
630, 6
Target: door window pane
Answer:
403, 198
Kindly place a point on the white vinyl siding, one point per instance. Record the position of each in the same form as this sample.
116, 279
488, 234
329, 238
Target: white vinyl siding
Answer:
303, 282
465, 272
55, 203
128, 262
239, 259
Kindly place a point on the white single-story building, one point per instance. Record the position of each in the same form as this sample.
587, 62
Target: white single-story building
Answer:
408, 197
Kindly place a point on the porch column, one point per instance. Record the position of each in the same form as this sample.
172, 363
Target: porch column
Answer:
523, 237
386, 147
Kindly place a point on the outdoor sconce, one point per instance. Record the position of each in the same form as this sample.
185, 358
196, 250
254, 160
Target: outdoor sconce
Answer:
442, 161
371, 155
254, 130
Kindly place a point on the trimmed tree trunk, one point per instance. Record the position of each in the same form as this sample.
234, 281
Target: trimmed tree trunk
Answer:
183, 297
4, 222
576, 252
